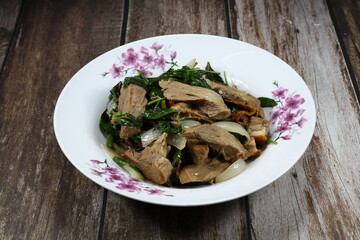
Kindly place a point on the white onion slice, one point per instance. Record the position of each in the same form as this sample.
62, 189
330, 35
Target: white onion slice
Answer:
233, 170
111, 105
176, 140
132, 172
189, 123
150, 136
192, 63
233, 127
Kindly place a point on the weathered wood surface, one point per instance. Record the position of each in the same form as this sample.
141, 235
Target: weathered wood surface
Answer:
123, 216
42, 196
346, 15
319, 197
9, 11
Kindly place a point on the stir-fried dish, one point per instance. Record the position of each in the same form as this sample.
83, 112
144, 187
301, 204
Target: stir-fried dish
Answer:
185, 126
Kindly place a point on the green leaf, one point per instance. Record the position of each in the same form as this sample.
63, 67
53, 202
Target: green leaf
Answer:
212, 75
267, 102
271, 141
115, 91
139, 80
127, 120
106, 127
186, 75
110, 141
241, 138
153, 87
121, 162
176, 158
157, 113
166, 126
156, 100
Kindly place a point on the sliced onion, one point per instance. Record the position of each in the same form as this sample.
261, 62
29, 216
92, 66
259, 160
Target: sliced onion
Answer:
233, 127
192, 63
133, 173
127, 167
150, 136
111, 105
176, 140
189, 123
233, 170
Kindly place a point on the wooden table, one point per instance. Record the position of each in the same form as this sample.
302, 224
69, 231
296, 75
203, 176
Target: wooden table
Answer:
43, 43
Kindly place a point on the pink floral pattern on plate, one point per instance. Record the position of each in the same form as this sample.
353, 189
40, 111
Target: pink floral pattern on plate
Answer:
145, 60
123, 181
287, 116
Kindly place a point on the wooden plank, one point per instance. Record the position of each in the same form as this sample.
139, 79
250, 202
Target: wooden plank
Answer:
319, 198
42, 196
129, 219
9, 12
346, 18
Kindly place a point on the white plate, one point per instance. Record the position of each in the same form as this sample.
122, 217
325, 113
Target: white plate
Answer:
257, 71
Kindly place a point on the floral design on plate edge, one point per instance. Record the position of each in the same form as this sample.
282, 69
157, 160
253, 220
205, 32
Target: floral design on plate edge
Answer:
145, 60
287, 116
121, 180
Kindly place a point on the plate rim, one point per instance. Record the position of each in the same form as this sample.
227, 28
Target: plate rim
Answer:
156, 201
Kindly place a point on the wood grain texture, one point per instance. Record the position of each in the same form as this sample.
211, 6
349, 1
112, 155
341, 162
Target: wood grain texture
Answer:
346, 15
42, 196
319, 198
129, 219
9, 12
160, 17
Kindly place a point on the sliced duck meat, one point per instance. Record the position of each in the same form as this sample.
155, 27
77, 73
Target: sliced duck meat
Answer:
259, 129
132, 100
251, 148
218, 139
238, 97
189, 113
205, 99
199, 152
152, 161
204, 172
242, 117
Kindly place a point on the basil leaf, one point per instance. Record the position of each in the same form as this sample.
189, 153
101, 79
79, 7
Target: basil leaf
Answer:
186, 75
241, 138
153, 87
267, 102
115, 91
106, 127
127, 120
212, 75
166, 126
176, 158
157, 113
139, 80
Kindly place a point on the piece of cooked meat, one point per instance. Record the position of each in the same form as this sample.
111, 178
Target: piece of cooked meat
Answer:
189, 113
242, 117
204, 172
218, 139
238, 97
132, 100
152, 161
198, 152
206, 99
251, 148
259, 129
